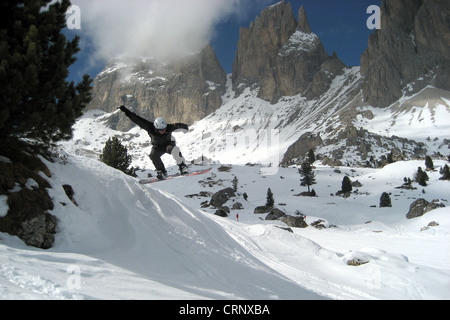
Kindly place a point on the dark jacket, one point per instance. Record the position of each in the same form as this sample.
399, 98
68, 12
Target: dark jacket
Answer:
159, 140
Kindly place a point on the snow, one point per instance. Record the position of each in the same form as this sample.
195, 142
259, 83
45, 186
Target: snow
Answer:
131, 241
300, 42
5, 159
144, 242
431, 116
125, 240
4, 207
31, 183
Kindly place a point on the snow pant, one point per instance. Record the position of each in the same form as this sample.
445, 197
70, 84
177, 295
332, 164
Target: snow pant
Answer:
158, 151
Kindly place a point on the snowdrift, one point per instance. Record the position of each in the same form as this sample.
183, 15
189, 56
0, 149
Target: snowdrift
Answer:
129, 241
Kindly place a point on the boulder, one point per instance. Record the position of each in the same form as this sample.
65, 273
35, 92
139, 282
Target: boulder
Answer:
28, 201
421, 206
275, 214
237, 206
221, 213
222, 196
295, 222
262, 209
39, 231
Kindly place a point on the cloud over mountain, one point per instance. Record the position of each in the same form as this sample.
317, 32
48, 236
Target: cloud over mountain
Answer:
153, 28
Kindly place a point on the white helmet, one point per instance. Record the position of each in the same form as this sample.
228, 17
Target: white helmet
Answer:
160, 123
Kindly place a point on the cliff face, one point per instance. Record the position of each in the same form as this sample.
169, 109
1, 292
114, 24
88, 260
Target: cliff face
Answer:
185, 91
409, 52
282, 56
278, 54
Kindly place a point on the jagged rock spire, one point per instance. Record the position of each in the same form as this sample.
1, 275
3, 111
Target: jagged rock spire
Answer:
282, 56
303, 24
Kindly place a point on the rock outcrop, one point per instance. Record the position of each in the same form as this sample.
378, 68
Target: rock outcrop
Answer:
182, 91
221, 197
294, 221
421, 206
282, 56
27, 201
409, 52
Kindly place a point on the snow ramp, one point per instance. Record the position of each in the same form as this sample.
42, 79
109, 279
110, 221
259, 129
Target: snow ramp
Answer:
153, 235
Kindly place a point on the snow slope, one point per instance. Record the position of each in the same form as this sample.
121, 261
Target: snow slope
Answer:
404, 260
247, 129
423, 117
132, 241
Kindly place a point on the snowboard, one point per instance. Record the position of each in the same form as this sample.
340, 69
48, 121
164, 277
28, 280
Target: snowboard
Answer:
173, 176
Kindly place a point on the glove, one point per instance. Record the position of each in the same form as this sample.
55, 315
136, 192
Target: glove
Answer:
125, 110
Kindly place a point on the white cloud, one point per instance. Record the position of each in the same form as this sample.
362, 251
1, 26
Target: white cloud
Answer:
163, 29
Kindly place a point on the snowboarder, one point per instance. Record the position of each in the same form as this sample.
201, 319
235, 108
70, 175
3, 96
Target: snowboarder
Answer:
162, 141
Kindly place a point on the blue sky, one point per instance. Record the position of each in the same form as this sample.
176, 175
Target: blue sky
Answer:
340, 25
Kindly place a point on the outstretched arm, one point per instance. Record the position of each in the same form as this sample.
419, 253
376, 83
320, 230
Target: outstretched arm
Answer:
141, 122
179, 127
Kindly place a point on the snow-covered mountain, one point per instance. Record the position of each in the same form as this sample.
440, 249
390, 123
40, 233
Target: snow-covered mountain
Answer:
286, 96
337, 126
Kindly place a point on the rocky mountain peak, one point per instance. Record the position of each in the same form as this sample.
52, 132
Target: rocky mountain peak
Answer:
303, 24
277, 54
282, 56
182, 91
409, 52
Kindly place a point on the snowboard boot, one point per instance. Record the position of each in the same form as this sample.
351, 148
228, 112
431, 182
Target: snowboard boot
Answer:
161, 175
183, 169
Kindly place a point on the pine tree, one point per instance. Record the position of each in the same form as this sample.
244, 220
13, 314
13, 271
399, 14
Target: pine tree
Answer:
307, 175
385, 200
269, 198
346, 184
421, 177
429, 163
235, 183
36, 101
445, 172
116, 155
311, 156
